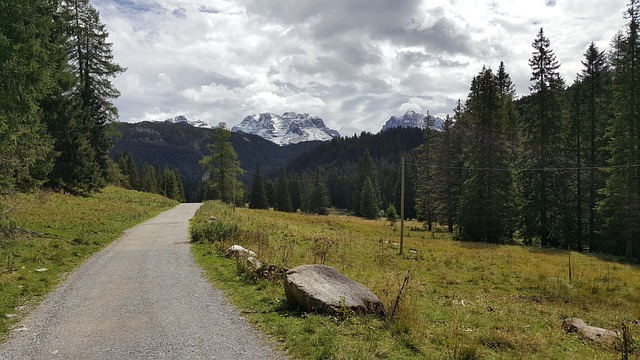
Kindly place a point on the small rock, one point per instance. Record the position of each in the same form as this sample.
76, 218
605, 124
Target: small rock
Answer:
236, 251
42, 270
253, 263
22, 328
10, 316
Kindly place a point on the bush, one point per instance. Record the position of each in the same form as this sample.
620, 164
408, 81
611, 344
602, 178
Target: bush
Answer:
214, 231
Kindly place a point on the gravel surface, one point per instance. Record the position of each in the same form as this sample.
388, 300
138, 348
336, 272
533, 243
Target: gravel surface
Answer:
142, 297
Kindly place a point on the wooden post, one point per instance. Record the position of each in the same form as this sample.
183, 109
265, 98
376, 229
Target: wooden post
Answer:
402, 208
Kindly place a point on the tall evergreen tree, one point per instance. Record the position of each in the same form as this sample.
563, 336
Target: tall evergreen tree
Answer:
486, 201
295, 191
448, 171
320, 201
621, 205
410, 185
369, 208
366, 170
223, 168
595, 80
543, 135
26, 78
425, 191
283, 200
80, 113
258, 195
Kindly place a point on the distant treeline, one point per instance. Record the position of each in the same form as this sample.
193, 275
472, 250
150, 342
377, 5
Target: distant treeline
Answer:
557, 168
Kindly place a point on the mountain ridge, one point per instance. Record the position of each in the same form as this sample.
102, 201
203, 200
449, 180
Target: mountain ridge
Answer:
286, 129
412, 119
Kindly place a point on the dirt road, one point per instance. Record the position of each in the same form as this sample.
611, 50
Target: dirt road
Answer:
142, 297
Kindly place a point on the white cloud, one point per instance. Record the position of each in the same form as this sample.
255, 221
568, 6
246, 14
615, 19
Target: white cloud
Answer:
355, 63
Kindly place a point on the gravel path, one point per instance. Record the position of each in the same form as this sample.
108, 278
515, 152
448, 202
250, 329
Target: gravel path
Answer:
142, 297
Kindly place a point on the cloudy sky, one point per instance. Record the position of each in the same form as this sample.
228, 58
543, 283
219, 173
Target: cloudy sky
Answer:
352, 62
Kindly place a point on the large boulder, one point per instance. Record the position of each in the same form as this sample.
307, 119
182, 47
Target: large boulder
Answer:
321, 288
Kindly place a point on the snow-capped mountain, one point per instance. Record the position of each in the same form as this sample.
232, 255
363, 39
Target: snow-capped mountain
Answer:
181, 119
285, 129
413, 119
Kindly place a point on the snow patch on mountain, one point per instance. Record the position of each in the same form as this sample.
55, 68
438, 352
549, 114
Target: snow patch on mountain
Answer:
285, 129
413, 119
181, 119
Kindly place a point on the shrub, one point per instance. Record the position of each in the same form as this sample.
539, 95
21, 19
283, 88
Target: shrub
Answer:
214, 231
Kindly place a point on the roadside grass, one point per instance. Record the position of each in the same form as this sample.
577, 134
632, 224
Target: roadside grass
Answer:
58, 232
464, 300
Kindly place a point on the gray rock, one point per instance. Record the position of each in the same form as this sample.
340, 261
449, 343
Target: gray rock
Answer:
237, 251
253, 264
321, 288
595, 334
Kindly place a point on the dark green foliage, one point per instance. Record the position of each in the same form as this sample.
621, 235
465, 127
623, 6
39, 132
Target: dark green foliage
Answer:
283, 199
223, 168
181, 146
594, 92
258, 195
486, 201
621, 205
295, 192
26, 78
79, 114
544, 123
315, 197
425, 193
448, 170
369, 208
410, 186
391, 214
365, 195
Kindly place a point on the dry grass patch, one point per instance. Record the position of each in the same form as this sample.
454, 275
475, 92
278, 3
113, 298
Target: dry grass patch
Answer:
464, 300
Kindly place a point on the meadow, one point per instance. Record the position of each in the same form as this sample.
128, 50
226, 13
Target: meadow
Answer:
45, 235
463, 300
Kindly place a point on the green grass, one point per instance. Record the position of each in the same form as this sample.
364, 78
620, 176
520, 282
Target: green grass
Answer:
58, 232
464, 301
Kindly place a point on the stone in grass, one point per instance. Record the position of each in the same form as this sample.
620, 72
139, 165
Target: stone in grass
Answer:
237, 251
321, 288
595, 334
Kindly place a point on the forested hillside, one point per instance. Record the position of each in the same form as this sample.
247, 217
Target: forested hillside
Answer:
182, 146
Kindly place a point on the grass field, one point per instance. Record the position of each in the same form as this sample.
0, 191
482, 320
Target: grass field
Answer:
45, 235
464, 300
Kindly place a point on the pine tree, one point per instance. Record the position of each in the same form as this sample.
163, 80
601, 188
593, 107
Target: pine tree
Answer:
223, 168
369, 208
447, 171
595, 81
128, 168
410, 186
485, 209
319, 202
80, 113
258, 195
543, 135
295, 191
283, 200
366, 170
621, 204
26, 78
425, 191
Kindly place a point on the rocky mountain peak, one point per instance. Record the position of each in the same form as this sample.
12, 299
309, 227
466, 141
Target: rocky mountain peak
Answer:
285, 129
413, 119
